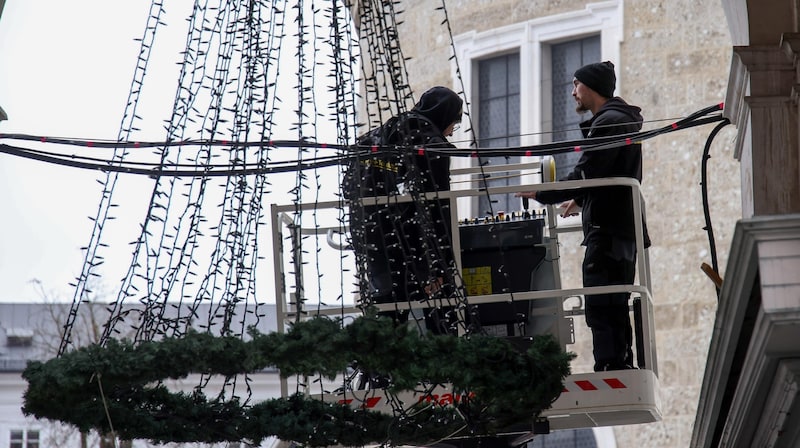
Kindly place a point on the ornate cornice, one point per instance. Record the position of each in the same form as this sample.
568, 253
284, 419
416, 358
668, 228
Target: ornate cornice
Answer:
759, 75
771, 72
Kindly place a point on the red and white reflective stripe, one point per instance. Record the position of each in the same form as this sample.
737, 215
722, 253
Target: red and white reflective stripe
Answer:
590, 385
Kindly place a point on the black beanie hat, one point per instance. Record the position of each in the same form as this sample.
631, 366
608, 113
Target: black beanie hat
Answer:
599, 77
441, 106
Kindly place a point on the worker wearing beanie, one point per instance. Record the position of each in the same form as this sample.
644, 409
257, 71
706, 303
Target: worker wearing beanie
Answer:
607, 212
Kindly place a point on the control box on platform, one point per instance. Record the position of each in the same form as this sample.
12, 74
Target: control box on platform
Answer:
503, 258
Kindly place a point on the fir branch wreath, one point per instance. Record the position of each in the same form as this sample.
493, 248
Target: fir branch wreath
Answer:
507, 385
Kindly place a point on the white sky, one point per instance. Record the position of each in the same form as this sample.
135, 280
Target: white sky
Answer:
65, 70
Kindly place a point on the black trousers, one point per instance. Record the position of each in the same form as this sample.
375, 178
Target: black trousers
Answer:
607, 315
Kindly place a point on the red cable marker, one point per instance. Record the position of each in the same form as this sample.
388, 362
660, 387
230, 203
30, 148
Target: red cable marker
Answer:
374, 148
577, 148
421, 151
628, 141
674, 125
529, 153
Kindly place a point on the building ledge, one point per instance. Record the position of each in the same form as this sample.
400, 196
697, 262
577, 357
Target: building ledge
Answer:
754, 351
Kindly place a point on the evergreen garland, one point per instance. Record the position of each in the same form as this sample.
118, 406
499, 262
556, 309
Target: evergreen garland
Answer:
506, 385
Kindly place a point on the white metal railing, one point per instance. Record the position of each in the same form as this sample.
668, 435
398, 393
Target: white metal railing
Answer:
288, 304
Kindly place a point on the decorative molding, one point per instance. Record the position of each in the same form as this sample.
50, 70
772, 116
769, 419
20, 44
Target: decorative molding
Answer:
738, 21
778, 404
736, 108
771, 72
756, 243
748, 409
767, 101
790, 43
762, 86
740, 277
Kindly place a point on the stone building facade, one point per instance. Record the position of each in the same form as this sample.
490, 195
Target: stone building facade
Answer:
672, 59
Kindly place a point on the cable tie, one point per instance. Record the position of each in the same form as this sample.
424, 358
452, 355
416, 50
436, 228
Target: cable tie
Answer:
674, 125
721, 106
529, 153
374, 148
628, 141
420, 151
577, 148
473, 154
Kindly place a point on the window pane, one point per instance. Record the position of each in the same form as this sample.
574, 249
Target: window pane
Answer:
17, 438
494, 119
493, 73
33, 439
571, 56
591, 50
566, 58
513, 74
513, 116
499, 125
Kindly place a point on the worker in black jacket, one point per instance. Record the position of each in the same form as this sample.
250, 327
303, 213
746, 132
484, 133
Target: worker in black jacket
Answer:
403, 249
607, 212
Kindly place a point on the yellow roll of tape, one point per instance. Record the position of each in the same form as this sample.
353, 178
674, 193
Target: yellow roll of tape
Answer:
548, 169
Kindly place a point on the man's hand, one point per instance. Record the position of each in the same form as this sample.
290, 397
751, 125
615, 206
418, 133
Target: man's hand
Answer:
526, 194
569, 208
433, 286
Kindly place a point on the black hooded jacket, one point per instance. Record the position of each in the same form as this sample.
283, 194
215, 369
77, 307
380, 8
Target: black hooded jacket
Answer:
408, 240
606, 210
397, 142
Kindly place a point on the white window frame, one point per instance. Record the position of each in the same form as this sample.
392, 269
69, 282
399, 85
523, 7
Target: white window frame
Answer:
532, 39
